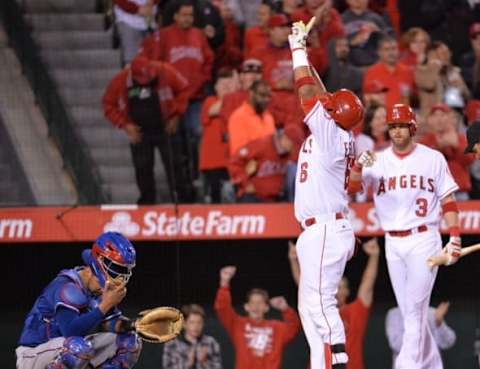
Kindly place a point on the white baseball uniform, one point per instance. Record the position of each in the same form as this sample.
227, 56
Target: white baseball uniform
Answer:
327, 242
407, 194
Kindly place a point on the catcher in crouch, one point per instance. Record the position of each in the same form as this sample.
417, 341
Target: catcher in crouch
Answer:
75, 322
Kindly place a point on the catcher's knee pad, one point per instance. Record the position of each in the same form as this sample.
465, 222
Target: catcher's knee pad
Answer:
76, 354
129, 346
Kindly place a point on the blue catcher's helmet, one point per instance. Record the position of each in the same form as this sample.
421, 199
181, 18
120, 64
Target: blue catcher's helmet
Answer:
112, 257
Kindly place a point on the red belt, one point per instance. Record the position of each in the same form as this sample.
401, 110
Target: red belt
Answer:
422, 228
311, 221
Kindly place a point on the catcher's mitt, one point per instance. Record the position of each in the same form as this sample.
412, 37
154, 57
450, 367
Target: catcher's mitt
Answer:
159, 325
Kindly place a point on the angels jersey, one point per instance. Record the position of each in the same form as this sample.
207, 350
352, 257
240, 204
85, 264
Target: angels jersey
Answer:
323, 168
407, 190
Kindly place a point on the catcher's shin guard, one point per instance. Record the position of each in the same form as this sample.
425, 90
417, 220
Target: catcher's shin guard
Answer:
76, 354
129, 346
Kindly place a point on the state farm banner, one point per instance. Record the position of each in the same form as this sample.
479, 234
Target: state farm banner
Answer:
187, 222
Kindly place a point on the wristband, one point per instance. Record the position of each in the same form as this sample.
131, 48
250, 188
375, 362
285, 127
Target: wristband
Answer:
299, 58
307, 80
454, 231
450, 206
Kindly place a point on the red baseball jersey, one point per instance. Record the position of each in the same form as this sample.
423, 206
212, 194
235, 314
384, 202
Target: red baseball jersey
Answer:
172, 90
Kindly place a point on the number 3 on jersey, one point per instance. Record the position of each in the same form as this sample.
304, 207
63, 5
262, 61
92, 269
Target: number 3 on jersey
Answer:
422, 204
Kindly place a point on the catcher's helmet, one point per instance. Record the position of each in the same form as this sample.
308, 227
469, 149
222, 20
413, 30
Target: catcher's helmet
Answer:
401, 113
112, 257
344, 107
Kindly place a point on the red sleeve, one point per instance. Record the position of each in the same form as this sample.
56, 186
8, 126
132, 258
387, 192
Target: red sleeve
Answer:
335, 26
459, 152
290, 326
204, 116
115, 96
236, 166
127, 5
225, 312
180, 88
151, 46
360, 313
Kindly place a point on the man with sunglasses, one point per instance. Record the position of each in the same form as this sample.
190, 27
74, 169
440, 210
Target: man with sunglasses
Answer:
75, 322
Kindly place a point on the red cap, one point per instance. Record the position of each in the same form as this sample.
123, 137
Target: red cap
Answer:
472, 111
278, 20
374, 86
441, 107
142, 70
474, 29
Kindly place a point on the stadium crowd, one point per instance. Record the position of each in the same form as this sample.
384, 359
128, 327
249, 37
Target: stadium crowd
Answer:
210, 84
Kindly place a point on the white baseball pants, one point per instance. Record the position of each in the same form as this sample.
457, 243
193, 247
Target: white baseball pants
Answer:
412, 282
323, 249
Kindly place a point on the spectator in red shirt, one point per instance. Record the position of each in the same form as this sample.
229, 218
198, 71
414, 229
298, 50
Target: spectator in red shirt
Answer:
257, 36
374, 92
186, 48
133, 19
214, 146
259, 343
397, 77
258, 169
444, 137
328, 22
146, 100
229, 54
416, 42
354, 314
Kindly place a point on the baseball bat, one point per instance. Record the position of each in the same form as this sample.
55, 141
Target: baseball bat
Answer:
442, 258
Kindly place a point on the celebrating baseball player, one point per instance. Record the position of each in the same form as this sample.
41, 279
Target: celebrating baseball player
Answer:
411, 185
59, 330
321, 204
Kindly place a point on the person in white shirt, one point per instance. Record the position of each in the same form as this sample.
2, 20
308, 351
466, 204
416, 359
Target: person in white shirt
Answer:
413, 189
321, 204
133, 19
443, 335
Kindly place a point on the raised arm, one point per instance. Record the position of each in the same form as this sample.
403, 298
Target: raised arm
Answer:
365, 290
307, 81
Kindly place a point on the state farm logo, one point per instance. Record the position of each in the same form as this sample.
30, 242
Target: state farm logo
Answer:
122, 222
213, 223
15, 228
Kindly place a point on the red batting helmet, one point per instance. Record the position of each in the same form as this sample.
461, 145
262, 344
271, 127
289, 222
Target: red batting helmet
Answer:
344, 107
401, 113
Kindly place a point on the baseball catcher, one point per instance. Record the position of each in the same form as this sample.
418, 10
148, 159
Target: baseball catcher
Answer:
75, 322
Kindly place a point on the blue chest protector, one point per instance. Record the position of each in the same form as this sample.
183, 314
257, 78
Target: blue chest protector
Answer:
65, 291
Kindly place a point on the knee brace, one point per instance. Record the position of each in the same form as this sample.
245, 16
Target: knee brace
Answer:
129, 346
76, 354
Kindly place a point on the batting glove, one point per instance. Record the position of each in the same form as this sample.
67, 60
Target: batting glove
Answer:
453, 249
298, 38
366, 159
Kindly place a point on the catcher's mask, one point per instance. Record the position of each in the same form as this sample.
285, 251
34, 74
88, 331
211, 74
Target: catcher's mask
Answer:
112, 257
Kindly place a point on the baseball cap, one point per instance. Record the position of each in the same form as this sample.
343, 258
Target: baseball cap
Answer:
142, 71
279, 20
473, 136
440, 107
472, 111
252, 66
474, 29
374, 86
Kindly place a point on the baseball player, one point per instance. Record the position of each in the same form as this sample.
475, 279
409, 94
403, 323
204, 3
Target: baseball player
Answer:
321, 204
57, 333
411, 185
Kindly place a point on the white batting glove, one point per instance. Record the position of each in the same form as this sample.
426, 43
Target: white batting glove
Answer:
366, 159
298, 38
453, 249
